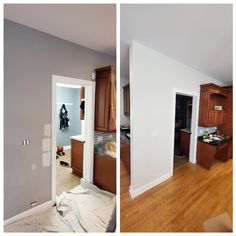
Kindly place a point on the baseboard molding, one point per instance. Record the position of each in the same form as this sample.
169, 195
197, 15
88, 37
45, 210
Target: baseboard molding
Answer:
67, 147
29, 212
136, 192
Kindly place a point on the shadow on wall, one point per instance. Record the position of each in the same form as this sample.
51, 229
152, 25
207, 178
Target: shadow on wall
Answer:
71, 98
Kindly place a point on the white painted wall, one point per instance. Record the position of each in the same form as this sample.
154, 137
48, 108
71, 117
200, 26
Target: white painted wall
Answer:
153, 77
124, 120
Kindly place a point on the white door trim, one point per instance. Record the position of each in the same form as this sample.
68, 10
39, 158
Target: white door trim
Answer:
89, 127
194, 124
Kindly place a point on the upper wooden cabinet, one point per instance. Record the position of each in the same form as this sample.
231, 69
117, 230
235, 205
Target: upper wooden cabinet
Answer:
105, 103
213, 96
126, 100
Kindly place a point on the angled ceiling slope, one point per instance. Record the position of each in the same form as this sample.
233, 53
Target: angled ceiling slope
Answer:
198, 35
89, 25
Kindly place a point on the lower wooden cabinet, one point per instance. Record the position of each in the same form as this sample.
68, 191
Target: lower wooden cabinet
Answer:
125, 155
104, 175
185, 142
207, 153
230, 150
222, 152
77, 150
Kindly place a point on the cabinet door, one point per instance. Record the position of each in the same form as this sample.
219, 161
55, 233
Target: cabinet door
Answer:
112, 109
222, 151
213, 118
125, 155
230, 151
219, 117
102, 102
105, 103
224, 117
77, 150
185, 143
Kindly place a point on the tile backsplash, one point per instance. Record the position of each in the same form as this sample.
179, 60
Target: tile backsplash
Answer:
103, 136
201, 130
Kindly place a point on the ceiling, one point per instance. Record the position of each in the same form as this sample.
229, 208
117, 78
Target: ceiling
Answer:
90, 25
198, 35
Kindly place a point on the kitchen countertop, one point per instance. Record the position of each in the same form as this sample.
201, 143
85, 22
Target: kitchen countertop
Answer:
78, 138
186, 130
215, 143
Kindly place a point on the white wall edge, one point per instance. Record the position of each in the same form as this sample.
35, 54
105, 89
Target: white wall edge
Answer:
136, 192
29, 212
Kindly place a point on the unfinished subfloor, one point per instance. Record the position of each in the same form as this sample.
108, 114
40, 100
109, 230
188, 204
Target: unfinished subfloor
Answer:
65, 179
180, 204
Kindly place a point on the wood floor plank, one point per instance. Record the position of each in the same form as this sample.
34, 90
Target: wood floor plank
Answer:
180, 204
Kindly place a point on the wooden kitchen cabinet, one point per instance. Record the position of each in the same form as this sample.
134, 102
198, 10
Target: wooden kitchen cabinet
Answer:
125, 155
105, 99
227, 127
185, 142
77, 150
222, 151
126, 100
104, 175
207, 153
213, 95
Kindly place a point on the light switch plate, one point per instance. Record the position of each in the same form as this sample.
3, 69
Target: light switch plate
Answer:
46, 144
46, 160
47, 130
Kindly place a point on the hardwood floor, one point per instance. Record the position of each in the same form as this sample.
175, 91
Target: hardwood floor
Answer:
180, 204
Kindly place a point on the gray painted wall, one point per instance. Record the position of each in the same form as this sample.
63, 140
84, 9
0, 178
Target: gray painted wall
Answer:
68, 95
30, 59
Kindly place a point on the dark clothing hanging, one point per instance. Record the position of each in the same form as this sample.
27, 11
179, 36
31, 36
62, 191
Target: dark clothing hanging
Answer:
64, 120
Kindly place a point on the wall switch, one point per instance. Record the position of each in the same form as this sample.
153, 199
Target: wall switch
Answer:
100, 138
93, 76
26, 142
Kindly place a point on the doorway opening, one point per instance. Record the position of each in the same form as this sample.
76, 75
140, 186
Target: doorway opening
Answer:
69, 123
183, 117
72, 133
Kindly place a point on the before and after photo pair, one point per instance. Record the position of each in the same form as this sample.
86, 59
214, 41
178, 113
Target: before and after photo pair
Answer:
118, 117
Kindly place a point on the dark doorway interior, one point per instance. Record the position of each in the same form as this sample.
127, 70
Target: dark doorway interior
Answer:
183, 115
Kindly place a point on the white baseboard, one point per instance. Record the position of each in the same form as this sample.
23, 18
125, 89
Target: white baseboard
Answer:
67, 147
135, 192
29, 212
